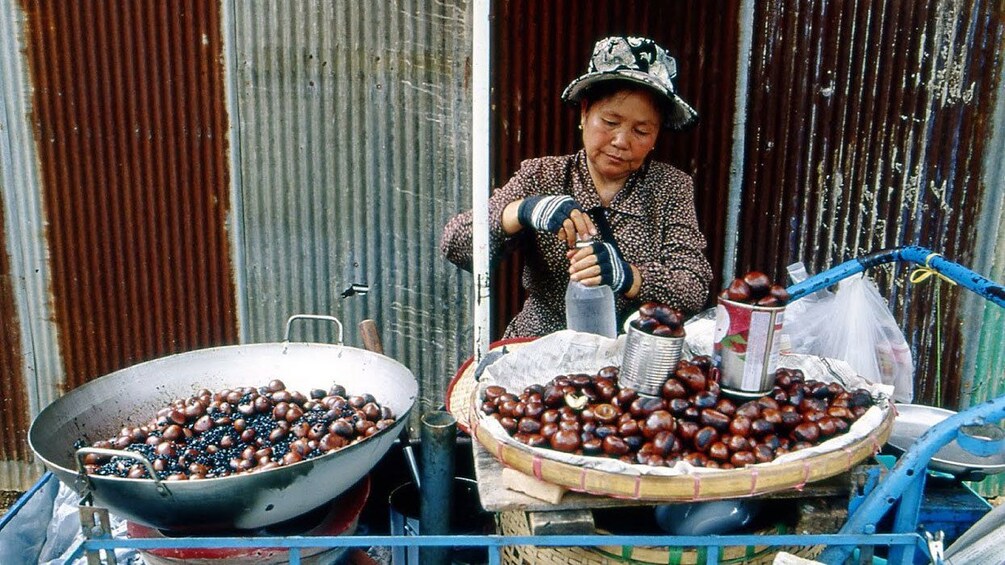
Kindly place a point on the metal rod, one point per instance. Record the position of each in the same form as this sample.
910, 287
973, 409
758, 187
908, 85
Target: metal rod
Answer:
959, 274
481, 59
735, 194
497, 541
439, 437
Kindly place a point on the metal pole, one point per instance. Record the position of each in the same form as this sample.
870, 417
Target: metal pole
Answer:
735, 195
439, 437
481, 56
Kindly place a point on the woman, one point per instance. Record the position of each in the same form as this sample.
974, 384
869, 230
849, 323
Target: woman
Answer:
639, 212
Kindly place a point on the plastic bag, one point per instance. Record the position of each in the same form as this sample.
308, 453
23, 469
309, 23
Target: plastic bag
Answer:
854, 325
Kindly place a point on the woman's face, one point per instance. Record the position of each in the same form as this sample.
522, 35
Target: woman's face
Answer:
619, 131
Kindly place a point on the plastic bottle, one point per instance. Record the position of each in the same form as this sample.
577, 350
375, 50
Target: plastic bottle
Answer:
590, 309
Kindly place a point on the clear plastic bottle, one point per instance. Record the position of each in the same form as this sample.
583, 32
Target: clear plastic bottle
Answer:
590, 309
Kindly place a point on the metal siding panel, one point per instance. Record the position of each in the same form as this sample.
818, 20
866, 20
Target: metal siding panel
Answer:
31, 365
131, 129
984, 377
539, 50
354, 153
987, 381
14, 405
882, 105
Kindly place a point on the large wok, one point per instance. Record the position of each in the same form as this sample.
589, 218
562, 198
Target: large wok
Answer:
98, 409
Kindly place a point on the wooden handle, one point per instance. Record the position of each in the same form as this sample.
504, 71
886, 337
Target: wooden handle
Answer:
371, 337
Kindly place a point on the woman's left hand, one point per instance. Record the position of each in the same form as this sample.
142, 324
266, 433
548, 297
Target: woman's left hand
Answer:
600, 263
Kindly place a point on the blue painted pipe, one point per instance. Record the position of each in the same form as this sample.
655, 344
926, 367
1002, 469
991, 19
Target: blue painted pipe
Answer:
904, 477
912, 254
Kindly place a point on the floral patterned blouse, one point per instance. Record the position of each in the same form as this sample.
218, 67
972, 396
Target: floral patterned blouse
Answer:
652, 219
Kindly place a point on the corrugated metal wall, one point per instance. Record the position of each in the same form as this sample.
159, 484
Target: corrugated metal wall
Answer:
131, 129
352, 125
984, 376
867, 126
544, 45
116, 151
31, 364
13, 416
987, 379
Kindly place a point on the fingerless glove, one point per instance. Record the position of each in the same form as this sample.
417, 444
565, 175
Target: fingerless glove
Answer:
615, 272
545, 213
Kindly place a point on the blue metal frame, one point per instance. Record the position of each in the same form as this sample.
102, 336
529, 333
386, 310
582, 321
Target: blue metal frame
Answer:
906, 482
495, 544
912, 254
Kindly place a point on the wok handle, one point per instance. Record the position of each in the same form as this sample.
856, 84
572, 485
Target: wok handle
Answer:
83, 451
371, 336
333, 319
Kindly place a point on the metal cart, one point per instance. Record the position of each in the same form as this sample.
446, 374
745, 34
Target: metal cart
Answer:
900, 493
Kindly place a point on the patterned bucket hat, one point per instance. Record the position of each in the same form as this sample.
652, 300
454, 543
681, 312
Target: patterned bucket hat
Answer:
638, 60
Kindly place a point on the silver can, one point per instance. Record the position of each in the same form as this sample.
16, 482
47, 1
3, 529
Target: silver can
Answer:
649, 360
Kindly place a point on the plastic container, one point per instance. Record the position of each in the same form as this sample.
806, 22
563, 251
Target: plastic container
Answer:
649, 360
590, 309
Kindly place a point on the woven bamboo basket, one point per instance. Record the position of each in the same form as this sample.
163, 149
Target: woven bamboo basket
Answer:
748, 481
516, 524
462, 402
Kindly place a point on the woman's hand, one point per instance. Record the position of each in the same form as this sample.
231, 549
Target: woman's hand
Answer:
600, 263
560, 215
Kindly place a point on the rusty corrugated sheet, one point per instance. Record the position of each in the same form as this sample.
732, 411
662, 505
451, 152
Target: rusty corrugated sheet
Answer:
539, 47
30, 353
132, 137
14, 400
354, 121
866, 131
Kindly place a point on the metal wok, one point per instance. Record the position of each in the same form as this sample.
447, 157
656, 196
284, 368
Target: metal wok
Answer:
132, 396
913, 420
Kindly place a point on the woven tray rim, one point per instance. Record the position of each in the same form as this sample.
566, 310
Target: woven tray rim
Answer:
713, 485
460, 387
752, 480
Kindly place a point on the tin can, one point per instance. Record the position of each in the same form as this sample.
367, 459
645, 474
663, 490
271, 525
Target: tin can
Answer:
649, 360
746, 344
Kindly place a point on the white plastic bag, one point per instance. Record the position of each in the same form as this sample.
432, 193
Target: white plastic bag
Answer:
856, 326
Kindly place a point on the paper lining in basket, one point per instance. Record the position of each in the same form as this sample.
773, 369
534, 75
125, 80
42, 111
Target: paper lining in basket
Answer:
568, 352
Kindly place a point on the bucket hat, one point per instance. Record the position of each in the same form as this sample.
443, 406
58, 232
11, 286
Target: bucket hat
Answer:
638, 60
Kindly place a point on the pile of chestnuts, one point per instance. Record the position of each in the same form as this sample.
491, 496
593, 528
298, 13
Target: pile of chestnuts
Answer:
690, 420
757, 289
656, 318
241, 430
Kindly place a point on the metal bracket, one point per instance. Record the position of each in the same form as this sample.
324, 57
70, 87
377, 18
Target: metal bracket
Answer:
95, 524
935, 543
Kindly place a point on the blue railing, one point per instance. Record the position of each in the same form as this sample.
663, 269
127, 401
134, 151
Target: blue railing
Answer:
495, 543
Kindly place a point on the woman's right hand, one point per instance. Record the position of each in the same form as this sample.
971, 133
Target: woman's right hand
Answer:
560, 215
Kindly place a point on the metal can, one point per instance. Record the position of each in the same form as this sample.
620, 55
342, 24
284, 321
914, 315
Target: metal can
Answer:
649, 360
747, 341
